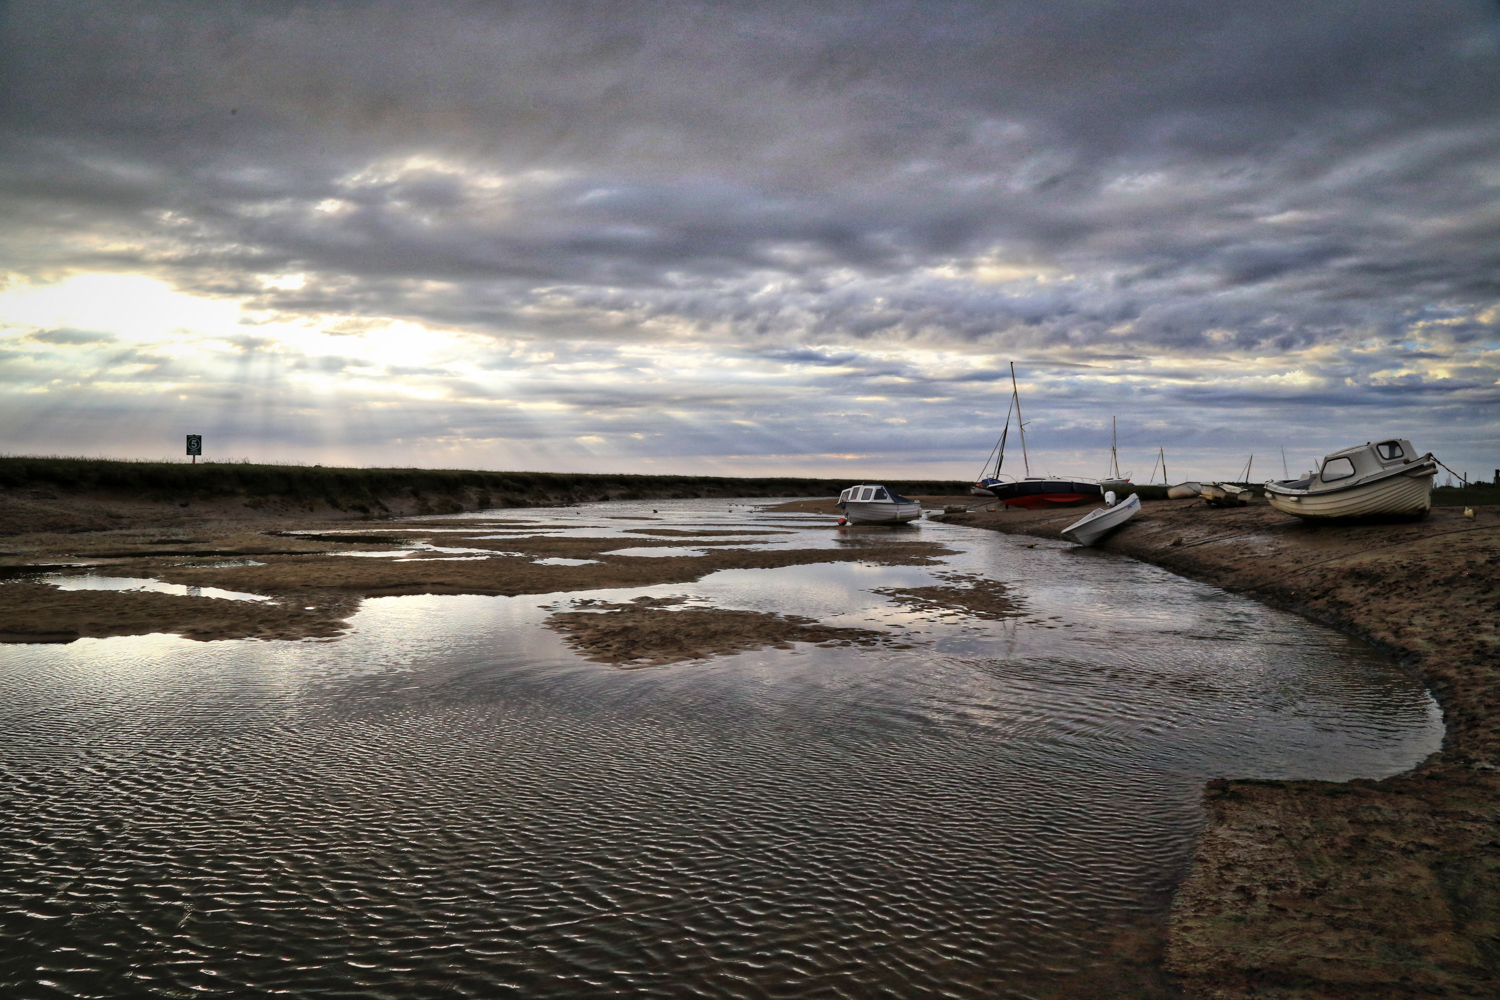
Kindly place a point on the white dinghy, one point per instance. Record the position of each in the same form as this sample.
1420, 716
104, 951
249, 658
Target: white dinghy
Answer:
1097, 523
869, 503
1387, 478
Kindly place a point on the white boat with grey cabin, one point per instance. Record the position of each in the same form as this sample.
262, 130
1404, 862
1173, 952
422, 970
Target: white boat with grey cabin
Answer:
869, 503
1097, 523
1384, 478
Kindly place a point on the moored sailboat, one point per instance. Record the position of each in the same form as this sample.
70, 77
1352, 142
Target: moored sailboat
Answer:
1030, 492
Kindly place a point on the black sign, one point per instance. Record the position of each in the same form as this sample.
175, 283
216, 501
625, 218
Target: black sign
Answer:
195, 444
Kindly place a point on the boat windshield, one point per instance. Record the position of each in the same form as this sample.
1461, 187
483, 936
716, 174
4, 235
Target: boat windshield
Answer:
1337, 468
879, 494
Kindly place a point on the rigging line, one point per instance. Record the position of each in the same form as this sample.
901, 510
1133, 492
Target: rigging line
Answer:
1462, 479
999, 446
1020, 421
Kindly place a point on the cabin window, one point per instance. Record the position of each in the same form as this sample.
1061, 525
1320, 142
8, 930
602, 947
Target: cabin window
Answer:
1337, 468
864, 494
844, 496
1389, 450
880, 494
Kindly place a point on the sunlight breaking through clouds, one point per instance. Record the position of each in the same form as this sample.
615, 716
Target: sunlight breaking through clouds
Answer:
692, 238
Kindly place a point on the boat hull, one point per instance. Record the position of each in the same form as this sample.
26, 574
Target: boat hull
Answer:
1096, 524
1033, 494
872, 512
1407, 493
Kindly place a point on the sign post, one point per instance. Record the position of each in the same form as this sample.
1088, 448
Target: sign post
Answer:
195, 446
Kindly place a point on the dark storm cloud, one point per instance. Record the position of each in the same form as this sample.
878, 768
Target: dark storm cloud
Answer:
1133, 186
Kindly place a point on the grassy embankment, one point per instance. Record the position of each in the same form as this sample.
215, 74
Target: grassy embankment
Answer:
371, 491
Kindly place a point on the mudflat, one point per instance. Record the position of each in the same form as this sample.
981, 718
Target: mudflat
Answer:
1304, 889
312, 568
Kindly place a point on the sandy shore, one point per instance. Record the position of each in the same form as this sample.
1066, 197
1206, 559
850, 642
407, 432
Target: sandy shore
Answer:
1304, 889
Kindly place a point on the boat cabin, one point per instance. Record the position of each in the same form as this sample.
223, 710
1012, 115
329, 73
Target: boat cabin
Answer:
870, 494
1352, 465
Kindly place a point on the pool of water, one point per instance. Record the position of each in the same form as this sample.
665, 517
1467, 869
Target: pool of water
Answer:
449, 802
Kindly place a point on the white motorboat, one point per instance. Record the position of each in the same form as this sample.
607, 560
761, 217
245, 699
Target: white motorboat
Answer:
1097, 523
869, 503
1183, 491
1385, 478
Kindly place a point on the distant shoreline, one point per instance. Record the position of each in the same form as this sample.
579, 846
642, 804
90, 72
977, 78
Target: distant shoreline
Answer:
377, 492
1304, 889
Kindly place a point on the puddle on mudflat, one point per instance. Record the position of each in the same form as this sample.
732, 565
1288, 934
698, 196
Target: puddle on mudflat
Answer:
449, 800
64, 581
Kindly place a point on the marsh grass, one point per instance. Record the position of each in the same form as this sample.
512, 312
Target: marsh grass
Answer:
354, 488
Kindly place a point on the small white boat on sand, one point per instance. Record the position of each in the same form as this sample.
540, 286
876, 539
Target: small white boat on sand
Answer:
869, 503
1386, 478
1097, 523
1183, 491
1224, 495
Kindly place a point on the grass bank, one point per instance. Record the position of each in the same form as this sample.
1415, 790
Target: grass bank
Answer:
371, 491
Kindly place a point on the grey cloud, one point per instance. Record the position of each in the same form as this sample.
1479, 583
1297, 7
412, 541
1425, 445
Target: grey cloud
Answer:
792, 184
70, 336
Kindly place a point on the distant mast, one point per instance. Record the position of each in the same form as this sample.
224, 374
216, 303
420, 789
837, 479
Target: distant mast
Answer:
1114, 448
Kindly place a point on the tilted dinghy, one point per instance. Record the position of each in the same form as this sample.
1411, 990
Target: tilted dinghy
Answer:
1097, 523
1388, 478
869, 503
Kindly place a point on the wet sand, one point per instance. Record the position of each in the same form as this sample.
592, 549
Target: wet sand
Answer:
654, 631
1304, 889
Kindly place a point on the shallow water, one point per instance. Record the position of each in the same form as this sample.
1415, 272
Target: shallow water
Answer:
95, 581
447, 802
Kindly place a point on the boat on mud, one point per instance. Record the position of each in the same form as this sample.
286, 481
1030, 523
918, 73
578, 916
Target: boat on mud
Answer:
1031, 492
1224, 494
870, 503
1035, 492
1097, 523
1384, 478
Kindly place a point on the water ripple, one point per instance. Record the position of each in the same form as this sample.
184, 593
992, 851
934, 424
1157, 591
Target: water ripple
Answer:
449, 803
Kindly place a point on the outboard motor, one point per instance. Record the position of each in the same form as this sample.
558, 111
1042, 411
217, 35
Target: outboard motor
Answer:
1109, 499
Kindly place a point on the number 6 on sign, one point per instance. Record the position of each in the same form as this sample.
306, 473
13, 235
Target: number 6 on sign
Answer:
195, 446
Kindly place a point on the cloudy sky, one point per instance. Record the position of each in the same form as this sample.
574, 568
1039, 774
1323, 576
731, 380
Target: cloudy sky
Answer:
740, 238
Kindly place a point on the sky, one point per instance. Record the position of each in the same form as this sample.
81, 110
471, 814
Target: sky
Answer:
751, 239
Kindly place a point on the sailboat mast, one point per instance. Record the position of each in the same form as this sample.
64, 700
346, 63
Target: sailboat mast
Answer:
1020, 423
1114, 448
1163, 452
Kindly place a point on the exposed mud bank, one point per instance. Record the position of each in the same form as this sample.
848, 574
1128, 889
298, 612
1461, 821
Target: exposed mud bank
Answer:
1304, 889
649, 632
316, 570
